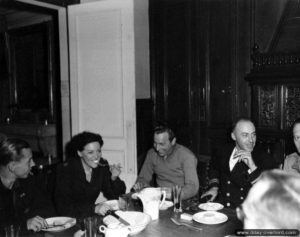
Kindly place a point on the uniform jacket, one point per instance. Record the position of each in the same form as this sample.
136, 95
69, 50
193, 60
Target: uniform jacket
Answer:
74, 196
25, 200
234, 185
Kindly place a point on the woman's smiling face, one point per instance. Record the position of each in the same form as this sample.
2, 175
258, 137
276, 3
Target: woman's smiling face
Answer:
91, 154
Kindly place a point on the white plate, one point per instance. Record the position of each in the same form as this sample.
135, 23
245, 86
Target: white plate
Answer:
137, 220
166, 205
210, 217
114, 204
60, 220
211, 206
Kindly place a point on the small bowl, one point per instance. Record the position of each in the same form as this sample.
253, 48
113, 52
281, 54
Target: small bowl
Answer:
166, 205
138, 220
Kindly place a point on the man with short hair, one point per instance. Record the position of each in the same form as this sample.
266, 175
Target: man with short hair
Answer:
235, 167
172, 163
273, 203
21, 201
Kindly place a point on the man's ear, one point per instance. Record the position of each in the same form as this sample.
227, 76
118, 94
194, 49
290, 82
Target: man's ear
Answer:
79, 154
173, 142
233, 136
11, 166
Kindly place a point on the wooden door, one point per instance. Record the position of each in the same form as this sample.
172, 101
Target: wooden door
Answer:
102, 78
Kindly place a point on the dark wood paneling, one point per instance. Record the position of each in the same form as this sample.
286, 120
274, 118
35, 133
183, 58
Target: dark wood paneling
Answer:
200, 52
170, 31
144, 127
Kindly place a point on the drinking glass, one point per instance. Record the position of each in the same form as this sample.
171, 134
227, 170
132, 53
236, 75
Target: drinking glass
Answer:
124, 201
177, 192
91, 227
12, 231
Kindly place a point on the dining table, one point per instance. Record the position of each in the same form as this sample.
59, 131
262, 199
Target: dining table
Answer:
164, 226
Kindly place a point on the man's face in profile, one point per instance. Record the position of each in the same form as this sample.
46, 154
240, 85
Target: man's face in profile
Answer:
23, 167
162, 143
244, 136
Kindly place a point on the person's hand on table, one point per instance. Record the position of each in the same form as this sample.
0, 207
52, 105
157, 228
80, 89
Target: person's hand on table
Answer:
115, 171
212, 192
102, 208
139, 186
36, 223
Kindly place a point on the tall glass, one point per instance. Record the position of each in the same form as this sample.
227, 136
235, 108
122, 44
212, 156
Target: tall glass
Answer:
177, 193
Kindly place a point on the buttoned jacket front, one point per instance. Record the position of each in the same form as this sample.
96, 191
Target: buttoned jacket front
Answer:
235, 184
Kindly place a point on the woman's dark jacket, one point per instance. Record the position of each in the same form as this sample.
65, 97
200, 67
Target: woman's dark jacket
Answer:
75, 196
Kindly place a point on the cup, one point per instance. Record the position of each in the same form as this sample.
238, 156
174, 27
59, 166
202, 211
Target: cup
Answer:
124, 201
12, 231
114, 232
90, 225
177, 192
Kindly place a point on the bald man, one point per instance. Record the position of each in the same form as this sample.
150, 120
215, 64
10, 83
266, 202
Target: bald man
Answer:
236, 167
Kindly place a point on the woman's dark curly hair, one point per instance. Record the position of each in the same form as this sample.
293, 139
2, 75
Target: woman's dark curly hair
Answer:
79, 141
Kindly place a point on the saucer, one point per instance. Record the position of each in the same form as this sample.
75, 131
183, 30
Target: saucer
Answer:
58, 221
210, 217
211, 206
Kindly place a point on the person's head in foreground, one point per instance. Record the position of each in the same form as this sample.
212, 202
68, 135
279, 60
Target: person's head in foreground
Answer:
273, 202
296, 134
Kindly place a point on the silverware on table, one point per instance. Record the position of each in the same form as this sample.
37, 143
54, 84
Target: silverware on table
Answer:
177, 222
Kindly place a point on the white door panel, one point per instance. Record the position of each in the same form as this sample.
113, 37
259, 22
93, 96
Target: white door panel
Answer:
102, 78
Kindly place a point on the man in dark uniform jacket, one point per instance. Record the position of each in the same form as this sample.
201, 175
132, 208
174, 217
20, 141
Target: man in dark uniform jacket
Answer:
22, 202
236, 167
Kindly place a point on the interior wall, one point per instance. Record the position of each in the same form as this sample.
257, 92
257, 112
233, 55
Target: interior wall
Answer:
267, 16
141, 36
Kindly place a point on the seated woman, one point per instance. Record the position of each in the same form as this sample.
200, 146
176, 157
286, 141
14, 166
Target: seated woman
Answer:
21, 201
81, 179
292, 161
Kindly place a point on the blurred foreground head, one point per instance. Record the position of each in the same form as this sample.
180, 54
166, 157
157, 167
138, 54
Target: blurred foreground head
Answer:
273, 202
